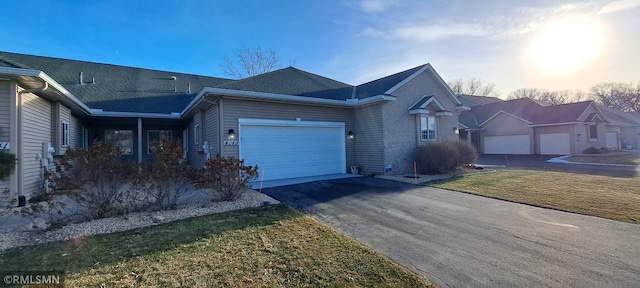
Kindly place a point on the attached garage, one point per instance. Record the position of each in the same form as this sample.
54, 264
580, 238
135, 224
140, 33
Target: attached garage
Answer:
292, 149
612, 140
555, 144
511, 144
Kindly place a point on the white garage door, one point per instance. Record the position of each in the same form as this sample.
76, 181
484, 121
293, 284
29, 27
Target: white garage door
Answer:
512, 144
290, 149
555, 144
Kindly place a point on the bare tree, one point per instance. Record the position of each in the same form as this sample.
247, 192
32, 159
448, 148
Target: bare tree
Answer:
250, 62
621, 96
473, 86
551, 97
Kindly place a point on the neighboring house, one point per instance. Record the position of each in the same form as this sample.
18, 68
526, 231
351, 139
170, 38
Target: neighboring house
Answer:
525, 126
290, 122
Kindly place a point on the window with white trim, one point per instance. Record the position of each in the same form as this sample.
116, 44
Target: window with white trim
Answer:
157, 136
427, 128
196, 134
593, 132
120, 138
65, 133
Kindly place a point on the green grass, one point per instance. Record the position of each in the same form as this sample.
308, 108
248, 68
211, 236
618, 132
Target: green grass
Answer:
263, 247
613, 158
615, 198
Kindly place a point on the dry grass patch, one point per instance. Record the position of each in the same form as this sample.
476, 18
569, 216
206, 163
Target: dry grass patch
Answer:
613, 158
265, 247
615, 198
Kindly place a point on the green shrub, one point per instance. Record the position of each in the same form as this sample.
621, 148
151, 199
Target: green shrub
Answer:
7, 164
225, 175
444, 156
592, 150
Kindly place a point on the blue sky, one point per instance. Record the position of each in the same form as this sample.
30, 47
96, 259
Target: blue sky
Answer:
353, 41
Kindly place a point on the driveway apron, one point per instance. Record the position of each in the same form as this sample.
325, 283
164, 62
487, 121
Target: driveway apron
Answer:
461, 240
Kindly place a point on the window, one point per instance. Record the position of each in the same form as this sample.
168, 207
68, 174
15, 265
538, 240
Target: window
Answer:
593, 132
196, 134
156, 136
65, 133
427, 128
120, 138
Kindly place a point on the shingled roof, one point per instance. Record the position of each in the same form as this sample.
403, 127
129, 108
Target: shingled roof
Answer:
117, 88
292, 81
382, 85
128, 89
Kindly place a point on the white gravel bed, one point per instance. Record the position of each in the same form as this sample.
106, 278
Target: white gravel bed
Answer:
10, 238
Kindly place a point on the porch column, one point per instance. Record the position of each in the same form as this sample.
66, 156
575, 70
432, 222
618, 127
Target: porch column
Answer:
139, 140
15, 134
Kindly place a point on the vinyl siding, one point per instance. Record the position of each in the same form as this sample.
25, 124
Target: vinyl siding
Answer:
74, 132
369, 139
36, 128
236, 109
196, 155
212, 130
4, 134
60, 113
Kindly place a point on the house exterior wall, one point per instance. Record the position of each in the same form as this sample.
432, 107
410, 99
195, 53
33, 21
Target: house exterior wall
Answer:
401, 129
196, 155
212, 131
233, 109
36, 129
368, 140
569, 128
503, 125
584, 141
60, 113
75, 132
630, 136
5, 135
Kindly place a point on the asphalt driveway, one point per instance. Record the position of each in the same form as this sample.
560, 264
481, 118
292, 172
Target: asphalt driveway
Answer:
539, 162
462, 240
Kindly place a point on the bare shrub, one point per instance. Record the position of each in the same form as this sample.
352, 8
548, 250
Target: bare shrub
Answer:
227, 176
444, 156
97, 179
164, 179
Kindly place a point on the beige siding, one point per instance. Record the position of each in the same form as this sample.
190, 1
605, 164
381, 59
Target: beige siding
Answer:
74, 132
401, 129
236, 109
36, 128
212, 129
4, 134
60, 114
4, 111
369, 139
503, 125
196, 155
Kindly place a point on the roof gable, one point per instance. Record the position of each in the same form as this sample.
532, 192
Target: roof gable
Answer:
382, 85
292, 81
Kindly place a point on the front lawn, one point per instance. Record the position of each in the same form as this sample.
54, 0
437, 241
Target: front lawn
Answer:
615, 198
264, 247
626, 158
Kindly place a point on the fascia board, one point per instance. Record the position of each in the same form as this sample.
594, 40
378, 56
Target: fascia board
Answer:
506, 113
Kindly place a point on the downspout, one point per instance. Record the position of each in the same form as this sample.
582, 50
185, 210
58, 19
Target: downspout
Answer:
20, 139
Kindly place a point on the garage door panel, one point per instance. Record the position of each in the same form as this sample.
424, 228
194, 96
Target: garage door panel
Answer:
555, 144
297, 150
509, 144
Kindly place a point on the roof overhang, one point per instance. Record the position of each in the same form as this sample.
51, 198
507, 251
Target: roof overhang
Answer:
30, 77
506, 113
555, 124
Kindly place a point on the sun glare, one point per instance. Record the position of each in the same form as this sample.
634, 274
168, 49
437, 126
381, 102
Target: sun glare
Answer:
566, 45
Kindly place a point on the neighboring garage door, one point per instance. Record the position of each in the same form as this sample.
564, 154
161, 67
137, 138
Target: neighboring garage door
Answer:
612, 140
555, 144
290, 149
512, 144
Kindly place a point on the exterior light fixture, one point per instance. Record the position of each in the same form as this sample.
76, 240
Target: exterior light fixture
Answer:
456, 130
350, 135
232, 134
